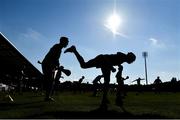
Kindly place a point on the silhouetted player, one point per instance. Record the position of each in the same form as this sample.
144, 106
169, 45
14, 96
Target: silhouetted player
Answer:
138, 81
21, 80
81, 79
77, 84
96, 84
174, 85
138, 84
79, 87
157, 83
50, 64
120, 88
106, 63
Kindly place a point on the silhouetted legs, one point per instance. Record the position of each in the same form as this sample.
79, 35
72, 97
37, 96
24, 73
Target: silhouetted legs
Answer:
48, 80
120, 96
99, 63
119, 101
106, 73
96, 62
58, 76
56, 81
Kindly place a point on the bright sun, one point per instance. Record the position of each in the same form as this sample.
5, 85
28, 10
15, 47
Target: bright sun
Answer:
113, 23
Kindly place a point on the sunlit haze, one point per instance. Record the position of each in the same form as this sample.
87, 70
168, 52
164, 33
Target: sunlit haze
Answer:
113, 23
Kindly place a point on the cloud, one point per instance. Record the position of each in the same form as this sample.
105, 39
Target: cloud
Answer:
31, 37
156, 43
32, 34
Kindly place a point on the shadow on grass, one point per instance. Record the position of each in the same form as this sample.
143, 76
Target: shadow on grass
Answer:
94, 114
10, 105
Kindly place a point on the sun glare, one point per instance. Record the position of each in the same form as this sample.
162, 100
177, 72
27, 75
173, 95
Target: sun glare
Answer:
113, 23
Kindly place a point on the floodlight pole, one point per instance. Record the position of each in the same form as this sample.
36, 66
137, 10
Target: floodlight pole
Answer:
145, 54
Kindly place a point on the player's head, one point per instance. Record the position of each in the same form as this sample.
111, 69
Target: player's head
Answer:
64, 41
130, 57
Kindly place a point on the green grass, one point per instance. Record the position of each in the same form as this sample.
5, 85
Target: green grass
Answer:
69, 105
164, 104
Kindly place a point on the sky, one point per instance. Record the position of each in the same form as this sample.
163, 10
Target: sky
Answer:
34, 26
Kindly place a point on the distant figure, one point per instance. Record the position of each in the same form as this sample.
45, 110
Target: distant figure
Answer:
96, 82
173, 80
21, 80
120, 88
138, 85
49, 64
77, 85
5, 93
157, 83
138, 81
174, 85
81, 79
106, 63
157, 80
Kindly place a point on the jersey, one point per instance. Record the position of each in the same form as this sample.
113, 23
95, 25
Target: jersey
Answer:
52, 57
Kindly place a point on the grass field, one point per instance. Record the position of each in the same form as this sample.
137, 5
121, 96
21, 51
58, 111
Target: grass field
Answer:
69, 105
